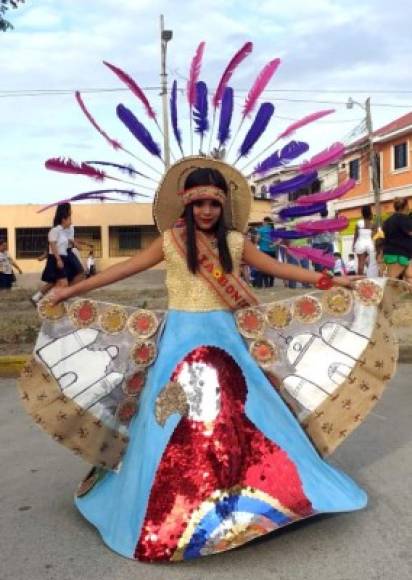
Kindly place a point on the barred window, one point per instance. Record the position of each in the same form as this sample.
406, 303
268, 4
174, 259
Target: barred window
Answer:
90, 235
3, 234
31, 242
126, 240
354, 169
400, 156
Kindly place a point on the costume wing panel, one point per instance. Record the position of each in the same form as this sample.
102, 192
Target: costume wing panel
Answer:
88, 368
329, 355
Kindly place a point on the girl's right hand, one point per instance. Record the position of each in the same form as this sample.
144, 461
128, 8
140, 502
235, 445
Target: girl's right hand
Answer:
57, 295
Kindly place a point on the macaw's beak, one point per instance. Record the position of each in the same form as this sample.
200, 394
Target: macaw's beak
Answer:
171, 400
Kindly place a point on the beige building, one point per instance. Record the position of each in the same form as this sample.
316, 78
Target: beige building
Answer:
116, 230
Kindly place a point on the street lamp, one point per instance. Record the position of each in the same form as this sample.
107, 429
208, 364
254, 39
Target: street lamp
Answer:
372, 157
165, 37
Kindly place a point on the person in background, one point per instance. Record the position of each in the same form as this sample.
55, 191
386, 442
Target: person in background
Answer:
267, 246
363, 245
351, 265
339, 267
397, 245
90, 265
6, 267
323, 241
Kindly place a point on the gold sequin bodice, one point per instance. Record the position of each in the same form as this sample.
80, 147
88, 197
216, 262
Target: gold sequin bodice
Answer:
188, 291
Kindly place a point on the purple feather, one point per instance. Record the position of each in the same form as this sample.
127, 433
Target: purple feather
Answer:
225, 119
288, 234
257, 128
302, 180
200, 109
282, 156
295, 211
138, 130
173, 116
128, 169
97, 194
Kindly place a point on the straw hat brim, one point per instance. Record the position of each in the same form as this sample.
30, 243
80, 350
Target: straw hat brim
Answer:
168, 206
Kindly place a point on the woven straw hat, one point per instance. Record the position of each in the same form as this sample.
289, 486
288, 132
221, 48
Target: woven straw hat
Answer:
168, 206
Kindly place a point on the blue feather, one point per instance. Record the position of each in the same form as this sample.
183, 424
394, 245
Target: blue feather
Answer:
200, 109
225, 119
173, 116
295, 211
283, 156
128, 169
302, 180
138, 130
257, 128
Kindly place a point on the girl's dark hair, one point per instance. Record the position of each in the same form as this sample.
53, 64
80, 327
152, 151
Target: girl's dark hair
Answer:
63, 211
206, 176
366, 211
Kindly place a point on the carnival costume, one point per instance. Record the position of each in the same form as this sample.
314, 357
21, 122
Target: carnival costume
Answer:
206, 424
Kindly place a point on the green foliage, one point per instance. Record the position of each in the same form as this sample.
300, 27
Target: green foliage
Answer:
4, 6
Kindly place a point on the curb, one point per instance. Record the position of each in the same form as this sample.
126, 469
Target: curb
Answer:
11, 366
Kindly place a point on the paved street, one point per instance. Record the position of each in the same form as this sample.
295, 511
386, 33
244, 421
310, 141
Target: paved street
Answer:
44, 538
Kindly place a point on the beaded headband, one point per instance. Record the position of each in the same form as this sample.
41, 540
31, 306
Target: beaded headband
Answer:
202, 192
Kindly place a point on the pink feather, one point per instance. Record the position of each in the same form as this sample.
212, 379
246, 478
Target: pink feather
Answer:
194, 74
133, 86
327, 195
304, 121
326, 157
115, 144
229, 70
326, 225
259, 86
69, 166
313, 254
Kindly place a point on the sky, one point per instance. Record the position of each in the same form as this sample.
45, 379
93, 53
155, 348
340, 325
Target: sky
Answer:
330, 51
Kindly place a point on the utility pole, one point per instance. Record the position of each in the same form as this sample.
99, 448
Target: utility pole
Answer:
165, 36
373, 163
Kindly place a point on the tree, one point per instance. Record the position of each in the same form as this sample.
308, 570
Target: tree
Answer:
4, 6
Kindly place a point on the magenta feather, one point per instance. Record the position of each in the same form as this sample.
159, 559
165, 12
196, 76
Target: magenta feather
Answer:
327, 195
315, 255
228, 72
69, 166
325, 225
259, 86
304, 121
134, 87
115, 144
194, 74
328, 156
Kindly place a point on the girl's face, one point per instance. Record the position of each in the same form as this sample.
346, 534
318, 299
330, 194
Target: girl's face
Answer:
67, 222
206, 213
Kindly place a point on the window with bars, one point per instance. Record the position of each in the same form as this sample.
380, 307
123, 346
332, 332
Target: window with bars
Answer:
315, 187
400, 156
89, 235
126, 240
3, 234
31, 242
354, 169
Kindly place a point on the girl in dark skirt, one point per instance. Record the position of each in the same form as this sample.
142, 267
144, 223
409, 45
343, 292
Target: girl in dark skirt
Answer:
6, 267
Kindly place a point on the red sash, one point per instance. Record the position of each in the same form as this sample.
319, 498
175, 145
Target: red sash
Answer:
231, 290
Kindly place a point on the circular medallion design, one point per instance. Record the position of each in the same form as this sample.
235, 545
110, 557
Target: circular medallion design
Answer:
250, 322
135, 383
337, 301
279, 315
113, 320
142, 323
264, 352
368, 292
144, 352
126, 410
307, 309
49, 311
83, 313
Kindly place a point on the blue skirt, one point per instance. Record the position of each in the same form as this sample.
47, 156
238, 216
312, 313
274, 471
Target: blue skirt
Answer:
201, 479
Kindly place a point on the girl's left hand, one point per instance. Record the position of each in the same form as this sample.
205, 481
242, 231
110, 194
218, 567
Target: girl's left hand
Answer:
346, 281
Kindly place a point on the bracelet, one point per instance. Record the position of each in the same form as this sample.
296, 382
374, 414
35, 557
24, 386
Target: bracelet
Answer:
325, 281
